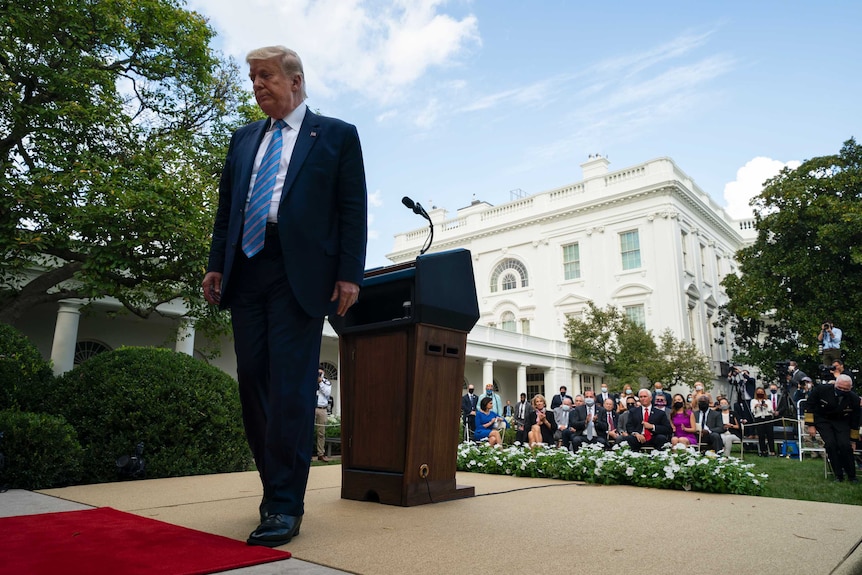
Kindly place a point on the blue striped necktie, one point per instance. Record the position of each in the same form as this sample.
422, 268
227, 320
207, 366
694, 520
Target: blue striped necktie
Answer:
258, 205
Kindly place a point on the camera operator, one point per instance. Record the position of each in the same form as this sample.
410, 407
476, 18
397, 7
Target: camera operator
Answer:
830, 338
836, 413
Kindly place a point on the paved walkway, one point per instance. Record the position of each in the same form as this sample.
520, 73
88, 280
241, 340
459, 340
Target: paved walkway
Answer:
511, 524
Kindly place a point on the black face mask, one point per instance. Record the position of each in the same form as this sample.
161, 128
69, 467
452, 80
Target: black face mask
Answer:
703, 405
677, 404
632, 405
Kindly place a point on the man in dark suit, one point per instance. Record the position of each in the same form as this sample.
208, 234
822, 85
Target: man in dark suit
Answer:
557, 400
288, 248
605, 393
613, 422
708, 423
588, 423
652, 430
468, 410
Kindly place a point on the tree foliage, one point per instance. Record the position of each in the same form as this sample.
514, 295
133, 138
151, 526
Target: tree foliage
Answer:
629, 353
114, 118
805, 266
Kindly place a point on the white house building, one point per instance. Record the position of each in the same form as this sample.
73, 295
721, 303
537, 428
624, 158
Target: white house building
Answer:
644, 238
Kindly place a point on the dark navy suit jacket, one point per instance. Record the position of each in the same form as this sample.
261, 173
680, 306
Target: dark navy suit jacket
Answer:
321, 217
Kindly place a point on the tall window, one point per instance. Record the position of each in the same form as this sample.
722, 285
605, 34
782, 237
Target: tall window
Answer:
509, 274
525, 326
536, 385
571, 261
630, 248
636, 314
703, 262
507, 321
686, 260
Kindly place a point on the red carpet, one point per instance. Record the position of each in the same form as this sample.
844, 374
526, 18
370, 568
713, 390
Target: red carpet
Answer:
105, 541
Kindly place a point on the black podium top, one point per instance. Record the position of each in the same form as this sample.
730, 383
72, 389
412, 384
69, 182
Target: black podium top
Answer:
435, 289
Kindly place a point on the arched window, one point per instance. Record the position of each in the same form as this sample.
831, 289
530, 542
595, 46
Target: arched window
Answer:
507, 321
515, 275
330, 371
84, 350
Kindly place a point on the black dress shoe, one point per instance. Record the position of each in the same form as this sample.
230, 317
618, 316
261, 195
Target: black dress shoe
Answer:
277, 529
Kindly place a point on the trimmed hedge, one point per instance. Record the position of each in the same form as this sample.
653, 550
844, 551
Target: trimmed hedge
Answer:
40, 451
186, 413
21, 368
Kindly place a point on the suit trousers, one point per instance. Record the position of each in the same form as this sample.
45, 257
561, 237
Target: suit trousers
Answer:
278, 352
836, 437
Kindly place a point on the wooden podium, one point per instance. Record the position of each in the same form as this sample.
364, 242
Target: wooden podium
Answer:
403, 348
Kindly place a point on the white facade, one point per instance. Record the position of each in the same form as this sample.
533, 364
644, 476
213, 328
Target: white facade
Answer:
644, 238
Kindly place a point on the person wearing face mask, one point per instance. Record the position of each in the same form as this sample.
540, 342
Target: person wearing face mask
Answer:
522, 408
730, 426
836, 412
497, 405
557, 400
562, 434
762, 412
469, 401
589, 423
605, 394
628, 405
708, 424
660, 392
682, 422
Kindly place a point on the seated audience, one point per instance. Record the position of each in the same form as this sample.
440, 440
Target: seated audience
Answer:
730, 426
540, 422
647, 426
708, 424
682, 422
612, 417
487, 423
762, 412
562, 434
589, 423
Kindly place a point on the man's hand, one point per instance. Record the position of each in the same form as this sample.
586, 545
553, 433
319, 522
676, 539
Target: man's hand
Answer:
212, 287
346, 293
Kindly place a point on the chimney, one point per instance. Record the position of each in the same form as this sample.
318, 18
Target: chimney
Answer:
595, 166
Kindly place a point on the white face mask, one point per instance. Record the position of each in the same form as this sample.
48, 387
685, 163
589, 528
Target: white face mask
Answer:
604, 390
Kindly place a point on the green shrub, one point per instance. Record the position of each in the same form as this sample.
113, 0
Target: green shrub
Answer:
41, 451
186, 413
21, 368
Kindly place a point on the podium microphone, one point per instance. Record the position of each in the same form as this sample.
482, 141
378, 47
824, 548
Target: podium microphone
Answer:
415, 206
418, 209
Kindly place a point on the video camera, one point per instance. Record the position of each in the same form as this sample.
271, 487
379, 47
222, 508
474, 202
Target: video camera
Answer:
132, 467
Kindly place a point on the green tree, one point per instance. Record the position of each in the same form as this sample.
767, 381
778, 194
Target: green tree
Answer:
629, 353
608, 337
114, 118
805, 266
679, 362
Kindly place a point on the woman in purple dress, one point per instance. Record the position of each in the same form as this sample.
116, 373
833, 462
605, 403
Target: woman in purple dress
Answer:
682, 421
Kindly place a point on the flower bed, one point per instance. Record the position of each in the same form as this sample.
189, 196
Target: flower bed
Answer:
677, 468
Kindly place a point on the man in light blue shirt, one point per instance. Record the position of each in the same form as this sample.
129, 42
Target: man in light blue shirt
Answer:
830, 338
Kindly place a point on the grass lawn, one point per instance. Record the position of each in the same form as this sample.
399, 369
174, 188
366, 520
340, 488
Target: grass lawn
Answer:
794, 479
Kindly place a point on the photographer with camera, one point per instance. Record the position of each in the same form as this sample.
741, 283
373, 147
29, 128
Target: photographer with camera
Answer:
830, 338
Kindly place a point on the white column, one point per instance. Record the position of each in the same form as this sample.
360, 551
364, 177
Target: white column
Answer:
522, 380
65, 336
488, 373
551, 387
186, 337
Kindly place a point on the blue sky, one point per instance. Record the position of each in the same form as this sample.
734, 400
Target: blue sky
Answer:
472, 99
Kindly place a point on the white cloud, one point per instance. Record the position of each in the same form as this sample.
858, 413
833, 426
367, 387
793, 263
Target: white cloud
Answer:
367, 46
749, 183
373, 234
375, 199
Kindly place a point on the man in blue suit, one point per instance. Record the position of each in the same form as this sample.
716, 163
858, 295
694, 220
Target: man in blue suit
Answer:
285, 253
